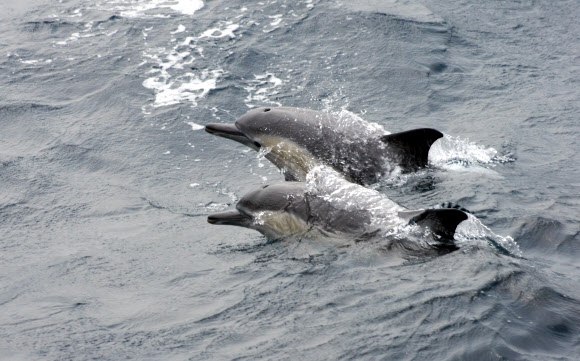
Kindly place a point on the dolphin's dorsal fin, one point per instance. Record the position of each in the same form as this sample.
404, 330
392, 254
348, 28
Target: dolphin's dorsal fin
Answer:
288, 177
411, 148
442, 222
452, 205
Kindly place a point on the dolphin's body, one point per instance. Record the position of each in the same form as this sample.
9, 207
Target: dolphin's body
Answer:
295, 208
296, 140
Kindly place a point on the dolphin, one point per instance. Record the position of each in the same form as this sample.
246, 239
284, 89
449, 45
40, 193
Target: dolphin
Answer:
286, 209
297, 140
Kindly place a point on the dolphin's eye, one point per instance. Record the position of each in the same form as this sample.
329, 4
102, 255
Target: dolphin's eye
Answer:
257, 144
267, 110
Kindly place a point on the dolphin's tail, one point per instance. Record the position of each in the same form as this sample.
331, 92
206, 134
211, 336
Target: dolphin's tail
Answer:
410, 149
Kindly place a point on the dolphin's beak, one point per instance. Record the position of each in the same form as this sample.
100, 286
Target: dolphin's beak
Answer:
232, 218
230, 131
223, 129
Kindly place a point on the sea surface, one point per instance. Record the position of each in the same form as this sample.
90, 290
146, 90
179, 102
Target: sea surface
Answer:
107, 178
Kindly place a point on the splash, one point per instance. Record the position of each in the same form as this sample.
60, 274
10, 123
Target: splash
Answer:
263, 152
349, 123
396, 178
453, 152
326, 183
472, 230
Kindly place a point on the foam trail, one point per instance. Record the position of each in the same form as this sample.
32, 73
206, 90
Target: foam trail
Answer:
454, 152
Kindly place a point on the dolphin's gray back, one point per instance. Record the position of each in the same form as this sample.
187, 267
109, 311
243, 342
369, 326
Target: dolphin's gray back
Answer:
327, 217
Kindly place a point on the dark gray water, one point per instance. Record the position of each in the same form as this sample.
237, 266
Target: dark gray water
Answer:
107, 179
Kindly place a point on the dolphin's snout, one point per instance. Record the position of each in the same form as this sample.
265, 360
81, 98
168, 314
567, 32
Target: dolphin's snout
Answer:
230, 131
223, 129
213, 220
233, 217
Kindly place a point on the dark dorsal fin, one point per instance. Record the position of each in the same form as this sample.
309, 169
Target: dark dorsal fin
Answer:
442, 222
452, 205
411, 148
290, 178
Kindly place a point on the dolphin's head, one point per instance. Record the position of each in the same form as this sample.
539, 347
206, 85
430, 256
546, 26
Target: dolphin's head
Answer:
264, 123
257, 127
251, 122
288, 135
276, 211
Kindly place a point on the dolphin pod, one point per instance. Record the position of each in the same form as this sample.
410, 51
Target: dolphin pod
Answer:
298, 139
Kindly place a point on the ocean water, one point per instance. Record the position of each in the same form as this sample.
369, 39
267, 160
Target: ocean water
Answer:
107, 178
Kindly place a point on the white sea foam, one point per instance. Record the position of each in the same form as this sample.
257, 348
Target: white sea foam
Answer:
261, 88
277, 19
187, 7
180, 29
89, 31
150, 8
188, 86
171, 85
36, 61
216, 33
194, 126
404, 9
273, 24
76, 13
